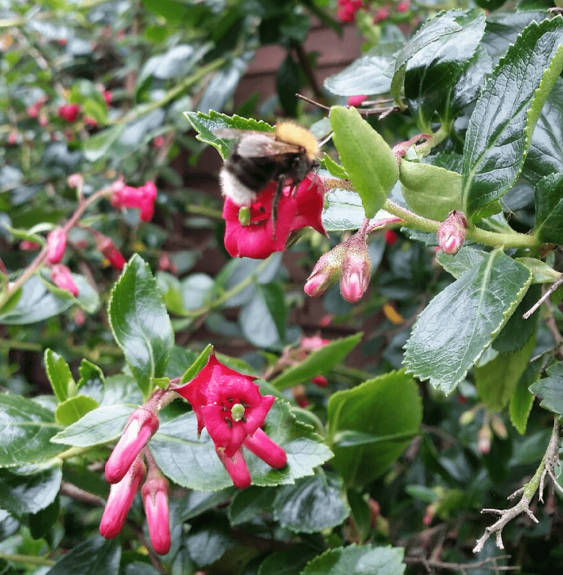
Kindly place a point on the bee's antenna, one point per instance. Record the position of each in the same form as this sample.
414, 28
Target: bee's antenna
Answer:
382, 112
322, 106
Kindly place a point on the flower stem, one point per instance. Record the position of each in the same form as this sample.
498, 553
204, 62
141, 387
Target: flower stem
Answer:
28, 559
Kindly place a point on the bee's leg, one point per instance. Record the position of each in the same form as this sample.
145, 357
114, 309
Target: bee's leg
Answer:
277, 195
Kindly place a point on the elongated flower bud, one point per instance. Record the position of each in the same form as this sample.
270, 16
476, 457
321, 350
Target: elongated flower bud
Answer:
356, 269
141, 426
451, 233
326, 271
264, 448
62, 277
236, 467
107, 248
155, 501
120, 499
56, 245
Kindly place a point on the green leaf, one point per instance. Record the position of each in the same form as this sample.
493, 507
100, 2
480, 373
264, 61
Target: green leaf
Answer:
197, 365
287, 85
98, 145
71, 410
333, 168
92, 557
541, 272
99, 426
29, 489
548, 226
358, 560
319, 362
461, 321
311, 505
360, 513
41, 523
504, 117
522, 399
92, 381
288, 561
369, 75
550, 389
251, 503
206, 124
343, 211
430, 191
387, 405
193, 463
497, 379
60, 376
196, 502
446, 45
140, 324
466, 259
26, 429
366, 157
95, 110
209, 538
263, 319
545, 155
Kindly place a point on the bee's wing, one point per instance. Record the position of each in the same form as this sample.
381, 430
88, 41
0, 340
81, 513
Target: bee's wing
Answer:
233, 134
260, 145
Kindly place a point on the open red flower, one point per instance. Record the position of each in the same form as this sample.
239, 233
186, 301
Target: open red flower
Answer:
296, 210
232, 409
142, 198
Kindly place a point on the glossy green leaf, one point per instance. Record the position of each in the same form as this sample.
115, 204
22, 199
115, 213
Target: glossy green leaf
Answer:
545, 155
446, 45
92, 381
206, 124
467, 258
312, 504
430, 191
360, 513
196, 502
140, 324
497, 379
288, 561
96, 427
522, 399
550, 389
60, 376
369, 75
71, 410
366, 157
41, 523
87, 297
251, 503
92, 557
387, 405
263, 319
26, 429
319, 362
287, 85
193, 463
504, 117
462, 320
343, 211
548, 226
98, 145
333, 168
209, 538
29, 489
358, 560
541, 272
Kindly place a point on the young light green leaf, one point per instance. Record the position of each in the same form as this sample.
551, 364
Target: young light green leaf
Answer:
319, 362
358, 560
365, 156
460, 322
197, 365
497, 379
501, 126
430, 191
26, 429
206, 124
522, 399
59, 375
140, 323
384, 406
71, 410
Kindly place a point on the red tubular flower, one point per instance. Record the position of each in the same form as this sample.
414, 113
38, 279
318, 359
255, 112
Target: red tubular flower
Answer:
62, 277
142, 198
229, 405
120, 499
141, 426
69, 112
296, 210
107, 248
56, 245
155, 500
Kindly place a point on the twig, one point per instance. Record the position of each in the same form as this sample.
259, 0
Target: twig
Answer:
463, 567
546, 467
551, 289
382, 112
75, 492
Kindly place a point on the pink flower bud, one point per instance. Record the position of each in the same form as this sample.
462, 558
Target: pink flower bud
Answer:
28, 246
155, 501
69, 112
326, 272
141, 426
320, 380
32, 111
484, 438
108, 96
62, 277
264, 448
403, 6
158, 142
313, 343
390, 237
381, 14
75, 181
107, 248
120, 499
56, 245
12, 138
89, 121
356, 100
236, 467
356, 269
451, 233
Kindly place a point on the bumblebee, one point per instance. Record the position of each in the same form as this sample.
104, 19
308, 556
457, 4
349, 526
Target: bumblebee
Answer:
285, 155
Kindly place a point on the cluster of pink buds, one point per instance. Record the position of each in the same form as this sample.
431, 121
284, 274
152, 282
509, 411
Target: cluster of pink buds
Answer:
232, 409
349, 261
143, 198
61, 275
347, 9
